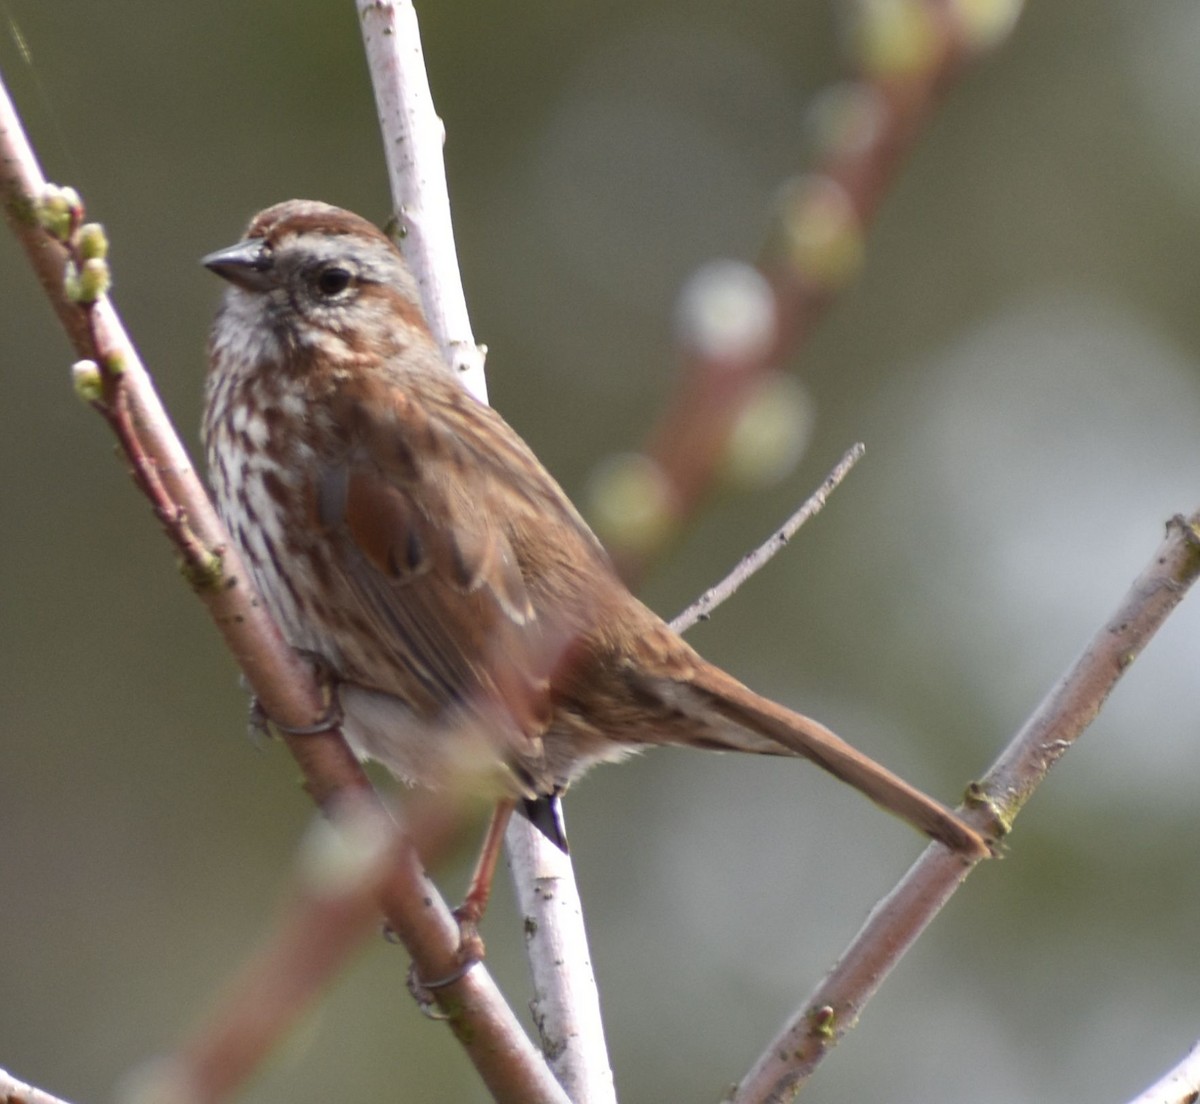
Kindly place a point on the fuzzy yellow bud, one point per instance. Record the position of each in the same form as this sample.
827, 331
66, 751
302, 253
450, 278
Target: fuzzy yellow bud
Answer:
986, 23
91, 242
631, 503
85, 285
726, 312
59, 210
770, 434
847, 118
821, 233
95, 279
341, 855
894, 38
87, 381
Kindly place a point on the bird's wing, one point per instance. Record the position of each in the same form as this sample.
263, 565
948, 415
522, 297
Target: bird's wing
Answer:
438, 518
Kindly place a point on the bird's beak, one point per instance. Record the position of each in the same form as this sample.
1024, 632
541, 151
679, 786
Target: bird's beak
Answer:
247, 264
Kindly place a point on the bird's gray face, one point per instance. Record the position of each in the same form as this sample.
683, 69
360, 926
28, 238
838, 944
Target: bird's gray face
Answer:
326, 291
311, 281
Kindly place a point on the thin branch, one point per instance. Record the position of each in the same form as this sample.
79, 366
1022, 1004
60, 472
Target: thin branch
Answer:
13, 1091
483, 1022
566, 996
834, 1006
1180, 1086
701, 609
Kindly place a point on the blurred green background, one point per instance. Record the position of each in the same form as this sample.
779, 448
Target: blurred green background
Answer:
1021, 356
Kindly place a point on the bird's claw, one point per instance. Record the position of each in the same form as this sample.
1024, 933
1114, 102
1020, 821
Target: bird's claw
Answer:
327, 679
470, 953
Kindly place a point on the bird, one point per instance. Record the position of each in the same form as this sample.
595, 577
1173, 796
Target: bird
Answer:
407, 538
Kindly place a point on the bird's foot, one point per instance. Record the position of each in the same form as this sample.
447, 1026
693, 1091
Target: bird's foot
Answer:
261, 722
471, 952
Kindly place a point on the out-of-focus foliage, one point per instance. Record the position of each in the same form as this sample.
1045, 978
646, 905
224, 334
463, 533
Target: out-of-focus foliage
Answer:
1020, 355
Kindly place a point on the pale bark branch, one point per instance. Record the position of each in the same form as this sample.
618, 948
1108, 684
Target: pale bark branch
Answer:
566, 1001
568, 1004
1180, 1086
13, 1091
413, 137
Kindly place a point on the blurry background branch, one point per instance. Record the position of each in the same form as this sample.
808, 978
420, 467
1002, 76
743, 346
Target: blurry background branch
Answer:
332, 908
738, 326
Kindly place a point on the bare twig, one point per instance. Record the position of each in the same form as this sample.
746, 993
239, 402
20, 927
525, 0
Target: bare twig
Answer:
896, 922
566, 995
13, 1091
1180, 1086
702, 607
500, 1050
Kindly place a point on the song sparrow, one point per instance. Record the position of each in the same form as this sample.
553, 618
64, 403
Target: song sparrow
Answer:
403, 533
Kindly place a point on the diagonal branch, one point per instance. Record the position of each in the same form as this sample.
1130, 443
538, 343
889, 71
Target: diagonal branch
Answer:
896, 922
500, 1050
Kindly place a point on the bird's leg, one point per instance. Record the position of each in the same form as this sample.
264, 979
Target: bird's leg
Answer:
479, 892
470, 946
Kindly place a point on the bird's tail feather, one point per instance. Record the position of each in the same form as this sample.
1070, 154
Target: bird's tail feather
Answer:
754, 718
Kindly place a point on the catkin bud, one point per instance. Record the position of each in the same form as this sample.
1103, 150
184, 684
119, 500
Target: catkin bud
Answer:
631, 503
86, 379
59, 210
91, 242
94, 280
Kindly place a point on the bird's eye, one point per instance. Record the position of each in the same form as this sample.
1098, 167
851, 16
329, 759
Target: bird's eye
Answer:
333, 280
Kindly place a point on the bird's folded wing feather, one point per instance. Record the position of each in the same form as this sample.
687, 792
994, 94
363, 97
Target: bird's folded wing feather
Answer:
433, 551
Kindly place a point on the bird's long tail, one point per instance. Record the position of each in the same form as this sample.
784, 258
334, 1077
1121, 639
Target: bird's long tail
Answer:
752, 717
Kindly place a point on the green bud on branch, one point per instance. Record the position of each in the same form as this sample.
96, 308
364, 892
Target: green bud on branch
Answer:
91, 243
60, 211
95, 280
85, 285
87, 381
